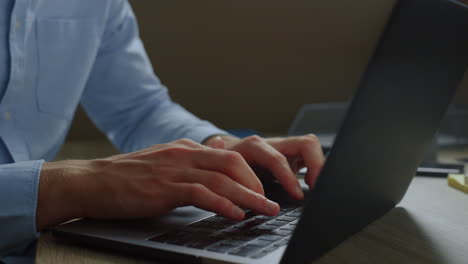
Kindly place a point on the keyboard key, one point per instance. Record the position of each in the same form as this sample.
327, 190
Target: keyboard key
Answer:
255, 232
272, 238
203, 230
277, 223
259, 243
202, 242
288, 227
219, 220
287, 218
256, 221
220, 226
282, 243
260, 254
264, 217
270, 249
249, 223
232, 242
232, 231
281, 232
267, 227
294, 214
245, 251
220, 248
286, 210
239, 235
294, 222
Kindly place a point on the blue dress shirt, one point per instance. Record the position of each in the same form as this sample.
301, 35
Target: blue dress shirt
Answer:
64, 53
5, 11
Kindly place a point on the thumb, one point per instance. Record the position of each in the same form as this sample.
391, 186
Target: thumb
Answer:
216, 142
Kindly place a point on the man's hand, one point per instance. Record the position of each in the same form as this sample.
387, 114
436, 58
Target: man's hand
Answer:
153, 181
283, 157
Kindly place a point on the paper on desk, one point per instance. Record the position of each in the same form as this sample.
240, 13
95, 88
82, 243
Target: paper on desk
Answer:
458, 181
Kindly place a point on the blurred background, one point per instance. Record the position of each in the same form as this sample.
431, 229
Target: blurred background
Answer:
253, 64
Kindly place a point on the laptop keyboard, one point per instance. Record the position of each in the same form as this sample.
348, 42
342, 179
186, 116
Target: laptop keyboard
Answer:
254, 237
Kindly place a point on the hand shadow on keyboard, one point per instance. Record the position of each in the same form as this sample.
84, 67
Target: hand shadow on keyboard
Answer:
275, 192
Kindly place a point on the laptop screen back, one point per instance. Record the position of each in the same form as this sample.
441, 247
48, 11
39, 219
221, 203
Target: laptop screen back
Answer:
411, 79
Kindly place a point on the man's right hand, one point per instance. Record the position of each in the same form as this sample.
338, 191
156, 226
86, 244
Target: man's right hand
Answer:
150, 183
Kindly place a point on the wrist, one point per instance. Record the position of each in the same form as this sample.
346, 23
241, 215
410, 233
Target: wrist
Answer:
60, 192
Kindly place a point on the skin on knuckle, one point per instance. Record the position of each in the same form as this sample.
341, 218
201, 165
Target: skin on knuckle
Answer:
221, 204
278, 158
153, 169
254, 139
183, 141
217, 181
187, 142
312, 138
233, 158
197, 191
160, 173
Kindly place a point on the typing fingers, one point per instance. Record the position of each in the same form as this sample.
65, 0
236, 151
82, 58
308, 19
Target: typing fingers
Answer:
228, 188
218, 193
307, 149
229, 163
257, 151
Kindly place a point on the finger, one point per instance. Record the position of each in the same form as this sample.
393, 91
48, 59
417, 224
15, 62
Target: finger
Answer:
216, 142
266, 156
230, 163
228, 188
313, 159
308, 147
203, 198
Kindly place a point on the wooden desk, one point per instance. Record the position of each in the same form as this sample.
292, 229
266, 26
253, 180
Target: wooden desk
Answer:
429, 226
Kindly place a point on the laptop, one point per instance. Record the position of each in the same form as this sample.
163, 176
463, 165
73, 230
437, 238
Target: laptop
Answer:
409, 83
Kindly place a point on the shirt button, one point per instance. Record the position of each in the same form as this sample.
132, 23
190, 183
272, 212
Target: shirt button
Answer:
7, 116
17, 24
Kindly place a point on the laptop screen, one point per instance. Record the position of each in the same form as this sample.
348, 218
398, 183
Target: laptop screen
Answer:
410, 81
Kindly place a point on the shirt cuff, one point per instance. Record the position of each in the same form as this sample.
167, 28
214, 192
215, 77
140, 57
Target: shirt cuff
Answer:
19, 184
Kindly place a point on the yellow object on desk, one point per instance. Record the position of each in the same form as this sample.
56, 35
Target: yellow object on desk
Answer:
458, 181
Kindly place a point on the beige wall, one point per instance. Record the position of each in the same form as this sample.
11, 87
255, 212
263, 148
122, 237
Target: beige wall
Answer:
252, 64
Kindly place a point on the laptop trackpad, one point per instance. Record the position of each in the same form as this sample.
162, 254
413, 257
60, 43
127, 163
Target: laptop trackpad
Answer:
136, 229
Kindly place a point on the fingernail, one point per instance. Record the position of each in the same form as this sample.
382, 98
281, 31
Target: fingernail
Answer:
299, 192
238, 213
272, 207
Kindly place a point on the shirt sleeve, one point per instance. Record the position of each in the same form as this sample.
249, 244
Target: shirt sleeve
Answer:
124, 97
18, 200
